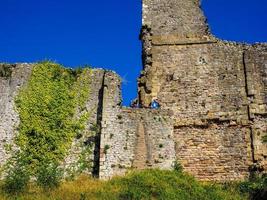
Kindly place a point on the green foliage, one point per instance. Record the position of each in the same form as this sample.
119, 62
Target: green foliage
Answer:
49, 176
256, 187
17, 178
5, 71
48, 108
147, 184
106, 148
156, 184
177, 166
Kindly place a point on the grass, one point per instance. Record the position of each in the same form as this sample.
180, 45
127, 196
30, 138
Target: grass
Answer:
147, 184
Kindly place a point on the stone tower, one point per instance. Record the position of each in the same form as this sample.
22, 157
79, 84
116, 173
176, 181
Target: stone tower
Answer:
217, 90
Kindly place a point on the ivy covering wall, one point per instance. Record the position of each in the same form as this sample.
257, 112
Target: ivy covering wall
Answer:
52, 112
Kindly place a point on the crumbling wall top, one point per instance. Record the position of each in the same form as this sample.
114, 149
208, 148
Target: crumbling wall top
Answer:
179, 17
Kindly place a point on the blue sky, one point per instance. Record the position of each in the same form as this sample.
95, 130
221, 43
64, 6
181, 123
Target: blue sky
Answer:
104, 33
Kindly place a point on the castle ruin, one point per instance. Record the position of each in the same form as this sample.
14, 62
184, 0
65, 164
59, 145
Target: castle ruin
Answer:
213, 97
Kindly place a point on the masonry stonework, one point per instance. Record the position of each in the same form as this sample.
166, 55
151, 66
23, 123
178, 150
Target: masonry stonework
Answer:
216, 90
213, 97
9, 119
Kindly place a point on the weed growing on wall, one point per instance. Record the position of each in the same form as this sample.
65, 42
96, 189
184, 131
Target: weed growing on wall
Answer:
5, 71
48, 108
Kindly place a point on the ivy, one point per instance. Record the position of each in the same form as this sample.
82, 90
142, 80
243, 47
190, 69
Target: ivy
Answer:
52, 112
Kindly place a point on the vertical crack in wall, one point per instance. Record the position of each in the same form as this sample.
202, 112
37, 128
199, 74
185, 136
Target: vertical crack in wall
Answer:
149, 144
99, 128
248, 103
143, 148
140, 157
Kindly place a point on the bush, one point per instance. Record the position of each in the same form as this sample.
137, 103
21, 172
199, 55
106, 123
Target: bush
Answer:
16, 181
177, 166
5, 71
256, 187
49, 176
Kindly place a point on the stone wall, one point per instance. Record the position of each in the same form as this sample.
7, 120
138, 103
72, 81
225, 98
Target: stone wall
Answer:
15, 77
215, 152
133, 138
255, 61
12, 78
136, 139
213, 97
180, 17
216, 90
90, 137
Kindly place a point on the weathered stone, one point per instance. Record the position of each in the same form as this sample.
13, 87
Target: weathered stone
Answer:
213, 97
216, 89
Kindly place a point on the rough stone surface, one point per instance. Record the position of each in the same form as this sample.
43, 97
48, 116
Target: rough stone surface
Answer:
216, 90
213, 97
132, 138
90, 135
9, 119
214, 152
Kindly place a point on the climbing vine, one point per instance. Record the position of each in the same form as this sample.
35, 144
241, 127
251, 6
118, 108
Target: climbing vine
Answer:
52, 112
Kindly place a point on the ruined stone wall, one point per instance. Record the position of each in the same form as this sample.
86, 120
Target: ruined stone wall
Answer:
214, 152
12, 78
136, 139
16, 77
180, 17
255, 62
213, 97
90, 136
133, 138
216, 90
119, 138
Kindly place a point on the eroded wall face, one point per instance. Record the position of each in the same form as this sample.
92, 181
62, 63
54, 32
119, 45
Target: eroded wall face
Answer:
216, 90
133, 138
91, 134
198, 82
10, 82
15, 76
136, 139
180, 17
255, 60
216, 152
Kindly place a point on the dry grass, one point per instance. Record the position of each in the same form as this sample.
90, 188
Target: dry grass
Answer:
147, 184
69, 190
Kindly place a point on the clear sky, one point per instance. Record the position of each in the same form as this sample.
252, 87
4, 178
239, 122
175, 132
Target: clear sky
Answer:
104, 33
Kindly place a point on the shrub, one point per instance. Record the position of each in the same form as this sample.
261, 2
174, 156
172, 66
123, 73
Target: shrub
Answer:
106, 148
5, 70
256, 187
49, 176
17, 180
177, 166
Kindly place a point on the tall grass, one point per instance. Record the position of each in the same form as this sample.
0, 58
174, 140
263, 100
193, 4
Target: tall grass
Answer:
147, 184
